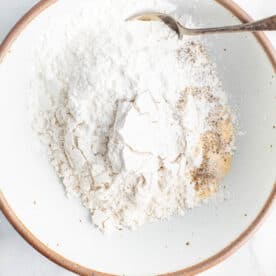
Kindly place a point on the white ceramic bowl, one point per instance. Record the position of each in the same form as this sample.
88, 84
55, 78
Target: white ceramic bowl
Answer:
34, 201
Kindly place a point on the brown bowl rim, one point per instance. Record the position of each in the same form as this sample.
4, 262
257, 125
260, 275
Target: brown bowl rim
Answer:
81, 270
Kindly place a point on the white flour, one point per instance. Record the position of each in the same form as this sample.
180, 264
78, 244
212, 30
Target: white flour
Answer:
112, 101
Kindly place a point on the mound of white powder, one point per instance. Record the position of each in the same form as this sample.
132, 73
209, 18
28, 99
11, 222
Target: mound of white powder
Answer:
107, 101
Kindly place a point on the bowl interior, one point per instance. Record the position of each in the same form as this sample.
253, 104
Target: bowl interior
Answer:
38, 199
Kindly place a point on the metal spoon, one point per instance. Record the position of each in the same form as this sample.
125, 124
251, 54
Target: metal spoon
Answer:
267, 24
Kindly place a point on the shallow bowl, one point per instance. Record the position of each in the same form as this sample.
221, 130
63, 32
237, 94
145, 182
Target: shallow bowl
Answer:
35, 203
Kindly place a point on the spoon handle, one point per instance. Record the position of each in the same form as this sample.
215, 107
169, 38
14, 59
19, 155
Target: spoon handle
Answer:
267, 24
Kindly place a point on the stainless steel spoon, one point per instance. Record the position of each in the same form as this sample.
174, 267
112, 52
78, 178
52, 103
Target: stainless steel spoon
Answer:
267, 24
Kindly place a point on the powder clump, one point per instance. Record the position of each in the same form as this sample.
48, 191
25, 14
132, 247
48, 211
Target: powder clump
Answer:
135, 121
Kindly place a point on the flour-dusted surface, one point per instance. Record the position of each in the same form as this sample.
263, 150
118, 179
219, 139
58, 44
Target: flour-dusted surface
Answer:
135, 120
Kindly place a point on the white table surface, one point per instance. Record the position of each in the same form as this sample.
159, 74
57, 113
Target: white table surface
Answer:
256, 258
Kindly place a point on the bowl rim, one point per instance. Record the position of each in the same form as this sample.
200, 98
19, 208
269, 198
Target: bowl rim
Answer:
227, 251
